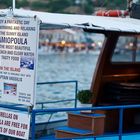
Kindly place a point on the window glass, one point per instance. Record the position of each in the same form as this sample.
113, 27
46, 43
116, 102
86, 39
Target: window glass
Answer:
127, 49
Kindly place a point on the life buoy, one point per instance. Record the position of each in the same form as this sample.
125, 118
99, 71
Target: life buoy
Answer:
112, 13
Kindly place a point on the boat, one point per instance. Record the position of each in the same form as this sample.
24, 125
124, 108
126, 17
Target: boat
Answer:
115, 86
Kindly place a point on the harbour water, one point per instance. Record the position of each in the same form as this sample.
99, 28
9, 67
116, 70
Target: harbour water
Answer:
63, 67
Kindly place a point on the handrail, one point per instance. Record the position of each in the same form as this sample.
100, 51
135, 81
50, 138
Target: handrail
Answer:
14, 107
86, 108
34, 112
120, 107
61, 82
57, 82
51, 102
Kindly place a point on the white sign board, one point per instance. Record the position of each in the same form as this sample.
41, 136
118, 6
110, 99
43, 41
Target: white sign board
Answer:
18, 59
14, 124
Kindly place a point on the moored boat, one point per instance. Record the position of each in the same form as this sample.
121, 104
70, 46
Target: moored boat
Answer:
115, 86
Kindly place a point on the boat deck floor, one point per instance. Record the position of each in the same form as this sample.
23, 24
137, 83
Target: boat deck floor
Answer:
124, 137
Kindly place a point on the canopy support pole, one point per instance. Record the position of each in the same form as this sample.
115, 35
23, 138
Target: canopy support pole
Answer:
14, 4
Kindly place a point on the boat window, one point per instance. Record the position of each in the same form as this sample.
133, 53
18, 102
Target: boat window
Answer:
127, 49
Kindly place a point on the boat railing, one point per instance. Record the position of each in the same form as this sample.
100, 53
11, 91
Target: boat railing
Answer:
75, 82
42, 111
121, 109
34, 112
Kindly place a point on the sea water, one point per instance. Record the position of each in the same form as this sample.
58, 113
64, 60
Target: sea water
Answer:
63, 67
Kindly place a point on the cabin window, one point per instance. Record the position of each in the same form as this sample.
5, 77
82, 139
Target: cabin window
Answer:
127, 49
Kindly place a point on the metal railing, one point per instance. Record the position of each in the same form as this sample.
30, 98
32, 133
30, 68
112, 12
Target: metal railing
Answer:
35, 112
120, 108
60, 101
22, 108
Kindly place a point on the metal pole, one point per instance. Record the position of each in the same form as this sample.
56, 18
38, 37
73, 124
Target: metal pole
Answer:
76, 89
120, 123
14, 4
33, 126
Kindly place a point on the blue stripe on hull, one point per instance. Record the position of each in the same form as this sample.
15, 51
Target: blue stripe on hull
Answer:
124, 137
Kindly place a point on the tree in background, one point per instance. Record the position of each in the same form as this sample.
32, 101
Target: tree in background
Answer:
64, 6
19, 3
58, 5
87, 6
112, 4
22, 3
5, 3
37, 5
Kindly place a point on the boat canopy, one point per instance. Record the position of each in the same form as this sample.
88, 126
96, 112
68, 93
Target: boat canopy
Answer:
54, 20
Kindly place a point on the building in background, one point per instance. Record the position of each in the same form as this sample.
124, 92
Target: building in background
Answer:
66, 40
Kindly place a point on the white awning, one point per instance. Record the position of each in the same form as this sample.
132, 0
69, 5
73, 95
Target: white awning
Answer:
84, 21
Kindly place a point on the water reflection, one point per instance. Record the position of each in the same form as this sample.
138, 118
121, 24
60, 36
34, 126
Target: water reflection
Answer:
64, 67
